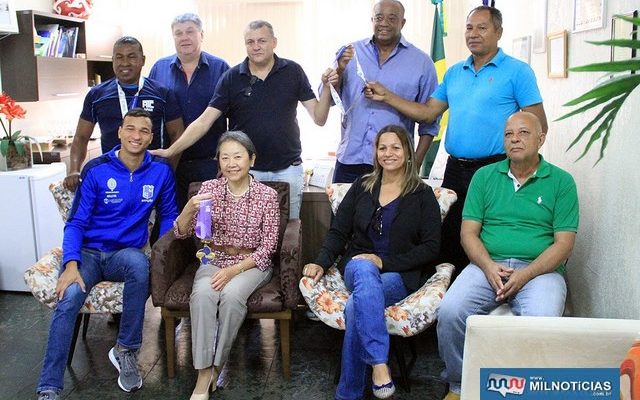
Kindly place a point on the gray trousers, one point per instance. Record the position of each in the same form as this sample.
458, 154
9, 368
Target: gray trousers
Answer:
216, 316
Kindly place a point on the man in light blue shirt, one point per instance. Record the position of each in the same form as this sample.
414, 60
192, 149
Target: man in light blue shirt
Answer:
488, 95
389, 58
480, 94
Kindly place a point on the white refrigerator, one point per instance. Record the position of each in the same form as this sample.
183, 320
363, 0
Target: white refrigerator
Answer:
31, 223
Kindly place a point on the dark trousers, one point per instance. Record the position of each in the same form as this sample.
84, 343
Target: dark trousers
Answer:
347, 173
457, 177
188, 171
198, 170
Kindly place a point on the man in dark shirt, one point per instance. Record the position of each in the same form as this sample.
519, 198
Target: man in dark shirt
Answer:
192, 74
108, 102
260, 96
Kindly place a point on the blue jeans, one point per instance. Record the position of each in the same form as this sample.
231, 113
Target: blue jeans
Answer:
295, 176
128, 265
471, 294
366, 340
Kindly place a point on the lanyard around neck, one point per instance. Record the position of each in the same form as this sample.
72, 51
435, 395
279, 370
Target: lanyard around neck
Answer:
124, 107
334, 93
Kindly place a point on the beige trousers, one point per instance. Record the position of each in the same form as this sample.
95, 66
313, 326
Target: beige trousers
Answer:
216, 316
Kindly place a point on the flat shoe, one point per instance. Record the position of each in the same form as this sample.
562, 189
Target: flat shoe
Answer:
452, 396
384, 391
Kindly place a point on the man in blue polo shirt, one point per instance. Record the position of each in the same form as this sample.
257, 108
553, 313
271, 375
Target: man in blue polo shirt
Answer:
260, 97
480, 94
107, 103
390, 59
192, 74
519, 226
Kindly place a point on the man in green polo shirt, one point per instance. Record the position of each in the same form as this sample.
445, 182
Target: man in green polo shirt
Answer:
519, 224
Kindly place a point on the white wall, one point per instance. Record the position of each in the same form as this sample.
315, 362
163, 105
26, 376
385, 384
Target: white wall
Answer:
604, 278
603, 275
603, 272
308, 31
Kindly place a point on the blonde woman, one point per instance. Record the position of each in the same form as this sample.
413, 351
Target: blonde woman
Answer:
389, 222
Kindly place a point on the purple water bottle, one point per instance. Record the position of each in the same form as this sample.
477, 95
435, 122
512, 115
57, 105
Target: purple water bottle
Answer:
204, 233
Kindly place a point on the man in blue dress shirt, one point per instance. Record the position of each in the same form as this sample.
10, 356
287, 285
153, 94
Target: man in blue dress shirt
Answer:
480, 94
389, 58
192, 74
107, 103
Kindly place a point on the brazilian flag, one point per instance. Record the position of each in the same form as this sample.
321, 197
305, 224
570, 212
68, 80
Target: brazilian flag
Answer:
437, 54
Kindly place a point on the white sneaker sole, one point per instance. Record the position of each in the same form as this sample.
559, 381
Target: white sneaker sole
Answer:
114, 361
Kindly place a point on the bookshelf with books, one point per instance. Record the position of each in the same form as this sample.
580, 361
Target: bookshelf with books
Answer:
55, 40
47, 59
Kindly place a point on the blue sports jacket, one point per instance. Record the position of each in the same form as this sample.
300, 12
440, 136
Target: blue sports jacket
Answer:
112, 205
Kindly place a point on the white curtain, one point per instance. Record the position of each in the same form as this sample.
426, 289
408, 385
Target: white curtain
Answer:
308, 31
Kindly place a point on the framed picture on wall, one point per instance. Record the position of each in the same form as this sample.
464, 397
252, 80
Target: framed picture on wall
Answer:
540, 27
8, 21
521, 49
557, 55
588, 14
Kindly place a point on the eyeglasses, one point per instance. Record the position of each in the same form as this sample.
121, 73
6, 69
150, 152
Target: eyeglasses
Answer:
249, 89
377, 221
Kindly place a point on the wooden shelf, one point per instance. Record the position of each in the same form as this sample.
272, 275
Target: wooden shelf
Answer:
26, 77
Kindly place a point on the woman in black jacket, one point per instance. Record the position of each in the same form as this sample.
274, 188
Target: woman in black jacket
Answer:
389, 222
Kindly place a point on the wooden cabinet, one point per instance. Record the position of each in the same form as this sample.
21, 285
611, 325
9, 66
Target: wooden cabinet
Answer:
55, 78
27, 77
315, 214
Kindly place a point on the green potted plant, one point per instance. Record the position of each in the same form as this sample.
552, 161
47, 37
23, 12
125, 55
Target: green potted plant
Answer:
610, 94
13, 152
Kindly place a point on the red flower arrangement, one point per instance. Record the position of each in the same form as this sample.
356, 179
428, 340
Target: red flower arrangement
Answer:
10, 110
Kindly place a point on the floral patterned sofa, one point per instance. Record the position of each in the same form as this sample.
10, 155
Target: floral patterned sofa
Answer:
42, 277
408, 317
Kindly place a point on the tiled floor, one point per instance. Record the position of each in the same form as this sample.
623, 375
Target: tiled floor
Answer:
253, 372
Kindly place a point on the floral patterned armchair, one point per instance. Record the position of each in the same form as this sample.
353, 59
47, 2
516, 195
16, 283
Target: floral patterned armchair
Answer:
42, 277
408, 317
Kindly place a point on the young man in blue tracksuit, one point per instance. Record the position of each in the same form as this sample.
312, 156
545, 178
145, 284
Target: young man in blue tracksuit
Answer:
103, 238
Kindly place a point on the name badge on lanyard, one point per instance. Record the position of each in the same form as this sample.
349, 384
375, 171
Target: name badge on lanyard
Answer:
124, 107
359, 72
